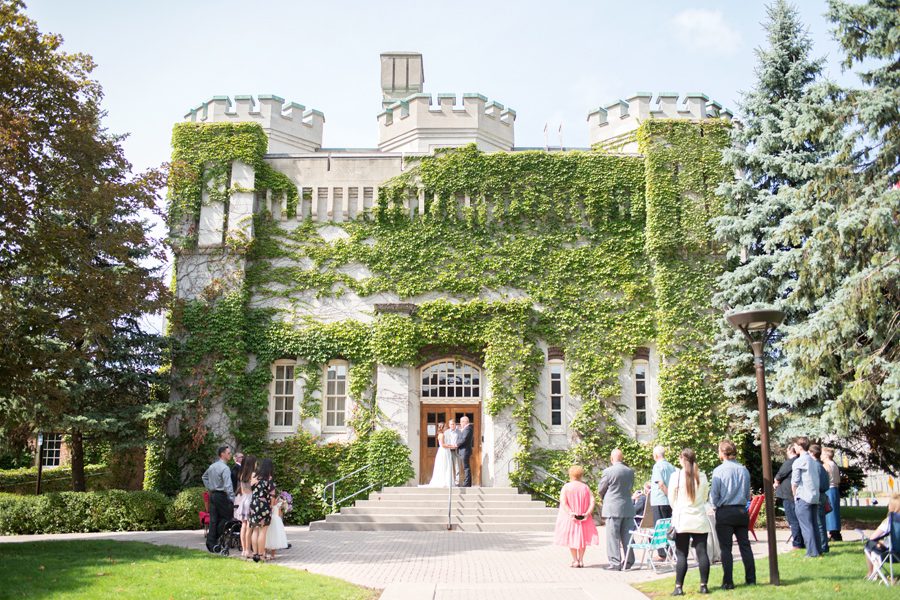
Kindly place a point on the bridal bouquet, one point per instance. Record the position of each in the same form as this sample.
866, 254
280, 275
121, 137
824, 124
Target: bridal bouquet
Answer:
287, 502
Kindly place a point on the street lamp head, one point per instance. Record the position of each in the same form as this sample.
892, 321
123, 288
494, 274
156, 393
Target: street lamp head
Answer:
755, 320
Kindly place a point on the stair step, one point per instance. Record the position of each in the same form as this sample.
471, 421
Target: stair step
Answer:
443, 503
425, 509
419, 510
355, 518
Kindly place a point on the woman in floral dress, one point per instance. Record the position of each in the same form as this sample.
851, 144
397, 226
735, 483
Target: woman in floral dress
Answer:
261, 508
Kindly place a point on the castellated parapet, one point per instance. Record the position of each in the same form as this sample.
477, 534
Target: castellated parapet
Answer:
416, 124
290, 127
612, 126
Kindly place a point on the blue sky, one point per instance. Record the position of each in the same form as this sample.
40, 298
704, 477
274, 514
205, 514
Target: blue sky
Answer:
550, 61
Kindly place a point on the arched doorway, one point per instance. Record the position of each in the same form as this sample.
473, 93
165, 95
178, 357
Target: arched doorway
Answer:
450, 388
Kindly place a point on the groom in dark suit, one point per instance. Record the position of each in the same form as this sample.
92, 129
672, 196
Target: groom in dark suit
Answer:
464, 448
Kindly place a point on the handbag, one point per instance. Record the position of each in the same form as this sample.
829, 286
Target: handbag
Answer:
828, 507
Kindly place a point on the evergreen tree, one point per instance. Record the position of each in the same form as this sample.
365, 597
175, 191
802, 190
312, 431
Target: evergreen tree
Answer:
844, 237
766, 158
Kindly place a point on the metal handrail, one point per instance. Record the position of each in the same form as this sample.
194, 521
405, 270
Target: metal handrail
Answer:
542, 470
333, 486
450, 503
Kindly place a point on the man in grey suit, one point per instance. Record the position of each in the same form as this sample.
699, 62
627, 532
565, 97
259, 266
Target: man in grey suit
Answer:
618, 510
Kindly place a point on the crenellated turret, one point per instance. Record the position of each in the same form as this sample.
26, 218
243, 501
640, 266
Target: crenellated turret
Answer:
613, 125
290, 127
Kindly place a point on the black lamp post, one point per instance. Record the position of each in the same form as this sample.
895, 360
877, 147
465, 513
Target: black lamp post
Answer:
757, 326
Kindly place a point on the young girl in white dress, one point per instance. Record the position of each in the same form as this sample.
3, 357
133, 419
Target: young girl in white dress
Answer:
276, 537
442, 475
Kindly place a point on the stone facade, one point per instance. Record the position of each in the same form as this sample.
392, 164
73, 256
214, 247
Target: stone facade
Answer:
338, 185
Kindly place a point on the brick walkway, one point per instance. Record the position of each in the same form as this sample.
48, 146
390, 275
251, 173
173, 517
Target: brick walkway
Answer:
435, 565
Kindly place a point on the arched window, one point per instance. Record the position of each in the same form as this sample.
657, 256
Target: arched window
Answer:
451, 380
335, 403
282, 398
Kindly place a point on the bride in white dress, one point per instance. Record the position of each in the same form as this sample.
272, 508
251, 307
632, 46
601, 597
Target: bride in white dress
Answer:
442, 474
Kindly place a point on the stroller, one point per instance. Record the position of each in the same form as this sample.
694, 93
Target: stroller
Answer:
230, 538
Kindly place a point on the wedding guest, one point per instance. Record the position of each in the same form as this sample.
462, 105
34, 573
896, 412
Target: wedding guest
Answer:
815, 451
639, 499
276, 537
876, 544
805, 488
730, 494
261, 508
688, 493
217, 480
659, 500
575, 528
236, 470
615, 494
242, 502
833, 519
784, 492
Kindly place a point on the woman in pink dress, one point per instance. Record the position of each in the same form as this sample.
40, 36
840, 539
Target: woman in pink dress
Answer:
575, 527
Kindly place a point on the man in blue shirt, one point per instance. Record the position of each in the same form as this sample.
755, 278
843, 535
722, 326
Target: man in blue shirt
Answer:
659, 499
729, 493
805, 485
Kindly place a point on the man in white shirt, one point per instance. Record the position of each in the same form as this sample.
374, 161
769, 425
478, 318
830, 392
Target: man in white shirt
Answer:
450, 438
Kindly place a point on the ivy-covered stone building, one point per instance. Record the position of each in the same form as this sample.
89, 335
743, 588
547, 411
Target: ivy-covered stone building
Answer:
560, 299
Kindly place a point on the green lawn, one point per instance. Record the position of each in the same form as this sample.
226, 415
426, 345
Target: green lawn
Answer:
838, 574
106, 569
871, 516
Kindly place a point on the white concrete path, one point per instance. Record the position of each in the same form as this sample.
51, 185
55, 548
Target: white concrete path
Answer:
410, 565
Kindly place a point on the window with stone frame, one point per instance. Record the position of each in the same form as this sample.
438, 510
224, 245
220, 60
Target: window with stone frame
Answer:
335, 396
282, 397
641, 396
52, 451
557, 395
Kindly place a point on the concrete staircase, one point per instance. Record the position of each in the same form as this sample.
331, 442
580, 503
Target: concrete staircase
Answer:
425, 509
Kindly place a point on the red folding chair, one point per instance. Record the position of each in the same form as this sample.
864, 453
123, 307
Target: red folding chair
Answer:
756, 504
203, 515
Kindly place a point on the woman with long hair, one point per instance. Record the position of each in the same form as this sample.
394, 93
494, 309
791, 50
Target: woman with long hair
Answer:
688, 493
442, 474
261, 508
242, 502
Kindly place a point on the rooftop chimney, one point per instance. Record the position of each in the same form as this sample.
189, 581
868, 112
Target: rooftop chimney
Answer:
401, 75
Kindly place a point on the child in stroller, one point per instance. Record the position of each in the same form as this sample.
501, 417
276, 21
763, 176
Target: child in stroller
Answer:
230, 538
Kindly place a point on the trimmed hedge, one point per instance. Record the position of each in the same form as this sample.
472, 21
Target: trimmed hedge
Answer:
57, 479
182, 512
75, 512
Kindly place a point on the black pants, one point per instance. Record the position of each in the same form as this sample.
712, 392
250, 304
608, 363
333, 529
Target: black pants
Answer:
682, 547
732, 521
661, 511
465, 454
221, 510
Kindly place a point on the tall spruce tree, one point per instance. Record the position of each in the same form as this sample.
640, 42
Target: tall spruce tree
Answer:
843, 232
766, 159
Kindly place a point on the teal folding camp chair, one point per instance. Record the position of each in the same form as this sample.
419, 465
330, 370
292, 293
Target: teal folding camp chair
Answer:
651, 540
884, 565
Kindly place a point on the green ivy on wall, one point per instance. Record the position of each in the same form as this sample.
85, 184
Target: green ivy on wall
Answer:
595, 253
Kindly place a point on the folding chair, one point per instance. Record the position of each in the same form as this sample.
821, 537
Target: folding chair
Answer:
651, 540
203, 515
884, 565
756, 503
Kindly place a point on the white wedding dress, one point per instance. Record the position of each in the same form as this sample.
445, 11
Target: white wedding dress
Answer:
442, 474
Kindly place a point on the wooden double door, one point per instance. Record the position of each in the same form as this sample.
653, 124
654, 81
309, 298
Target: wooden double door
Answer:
432, 414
